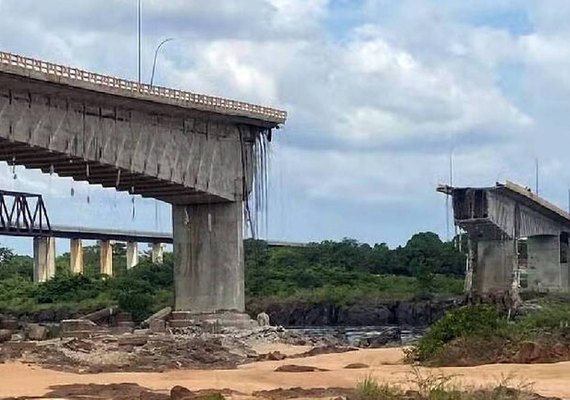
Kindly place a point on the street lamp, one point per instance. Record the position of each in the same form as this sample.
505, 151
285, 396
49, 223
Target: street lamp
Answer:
155, 56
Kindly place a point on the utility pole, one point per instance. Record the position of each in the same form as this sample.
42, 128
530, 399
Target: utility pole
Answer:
139, 11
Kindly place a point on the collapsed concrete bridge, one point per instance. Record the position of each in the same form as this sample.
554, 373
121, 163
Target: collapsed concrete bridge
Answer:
198, 153
516, 238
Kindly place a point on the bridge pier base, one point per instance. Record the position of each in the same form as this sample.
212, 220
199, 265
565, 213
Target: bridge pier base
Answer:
44, 258
209, 259
132, 254
106, 257
494, 266
76, 256
157, 253
545, 271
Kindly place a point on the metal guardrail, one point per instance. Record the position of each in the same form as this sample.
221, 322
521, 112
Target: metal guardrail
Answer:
185, 98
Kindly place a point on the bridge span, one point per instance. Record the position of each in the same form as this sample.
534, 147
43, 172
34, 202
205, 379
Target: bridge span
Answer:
199, 153
516, 239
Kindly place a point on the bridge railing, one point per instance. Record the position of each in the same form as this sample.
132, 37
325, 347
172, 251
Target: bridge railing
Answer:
142, 88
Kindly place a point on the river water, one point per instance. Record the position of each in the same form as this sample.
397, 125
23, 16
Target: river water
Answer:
354, 333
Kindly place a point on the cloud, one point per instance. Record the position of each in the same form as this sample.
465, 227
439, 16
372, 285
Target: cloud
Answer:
378, 92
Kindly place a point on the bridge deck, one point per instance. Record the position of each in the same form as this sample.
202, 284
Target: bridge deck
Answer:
61, 74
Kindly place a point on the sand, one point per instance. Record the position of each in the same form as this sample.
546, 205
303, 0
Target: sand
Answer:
17, 379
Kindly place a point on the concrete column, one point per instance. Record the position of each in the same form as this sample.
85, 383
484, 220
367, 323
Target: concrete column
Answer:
208, 257
157, 253
544, 269
76, 256
106, 257
494, 268
132, 254
44, 258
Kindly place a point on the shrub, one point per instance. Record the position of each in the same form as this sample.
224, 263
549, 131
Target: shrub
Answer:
478, 320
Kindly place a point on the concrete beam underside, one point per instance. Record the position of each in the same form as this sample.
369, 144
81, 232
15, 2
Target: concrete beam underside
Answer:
173, 154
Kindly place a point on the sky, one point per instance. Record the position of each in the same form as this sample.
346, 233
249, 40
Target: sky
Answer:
381, 95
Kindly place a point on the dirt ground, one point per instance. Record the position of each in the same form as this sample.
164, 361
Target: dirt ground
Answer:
17, 379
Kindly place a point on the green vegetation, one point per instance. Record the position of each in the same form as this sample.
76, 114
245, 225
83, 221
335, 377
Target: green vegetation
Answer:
483, 333
427, 386
335, 272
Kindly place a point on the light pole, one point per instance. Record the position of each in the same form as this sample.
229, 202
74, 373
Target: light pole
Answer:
155, 56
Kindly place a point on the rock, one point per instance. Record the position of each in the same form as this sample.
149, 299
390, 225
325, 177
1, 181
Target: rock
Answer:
357, 366
82, 346
180, 392
5, 335
73, 325
141, 332
132, 340
18, 337
157, 326
389, 336
36, 332
263, 319
298, 368
272, 356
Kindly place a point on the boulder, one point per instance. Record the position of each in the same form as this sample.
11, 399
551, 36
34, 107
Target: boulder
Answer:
180, 393
357, 366
5, 335
36, 332
389, 336
298, 368
74, 325
263, 319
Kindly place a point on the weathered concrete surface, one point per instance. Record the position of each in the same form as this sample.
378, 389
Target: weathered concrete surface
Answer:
106, 257
208, 257
44, 258
544, 269
76, 256
132, 254
157, 253
494, 269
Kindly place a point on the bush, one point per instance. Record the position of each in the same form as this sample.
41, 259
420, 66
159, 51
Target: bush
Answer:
478, 320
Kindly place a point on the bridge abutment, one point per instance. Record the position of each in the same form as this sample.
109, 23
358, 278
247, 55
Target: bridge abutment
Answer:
44, 258
208, 258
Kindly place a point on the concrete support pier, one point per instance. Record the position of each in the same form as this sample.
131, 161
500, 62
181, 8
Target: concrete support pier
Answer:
208, 258
132, 254
157, 253
76, 256
44, 258
494, 269
106, 257
545, 272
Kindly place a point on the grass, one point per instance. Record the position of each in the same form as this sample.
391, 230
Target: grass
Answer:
428, 386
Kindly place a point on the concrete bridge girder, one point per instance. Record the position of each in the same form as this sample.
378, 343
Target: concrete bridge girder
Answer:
193, 151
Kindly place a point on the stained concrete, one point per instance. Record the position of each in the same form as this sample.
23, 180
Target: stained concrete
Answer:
132, 254
494, 269
208, 257
544, 269
44, 258
157, 253
106, 257
76, 256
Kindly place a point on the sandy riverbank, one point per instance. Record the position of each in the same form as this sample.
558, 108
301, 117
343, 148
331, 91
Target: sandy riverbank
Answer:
17, 379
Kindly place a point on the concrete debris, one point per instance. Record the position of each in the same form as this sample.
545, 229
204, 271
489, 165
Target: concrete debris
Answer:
36, 332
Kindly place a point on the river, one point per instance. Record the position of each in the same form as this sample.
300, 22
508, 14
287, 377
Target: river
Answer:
352, 334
